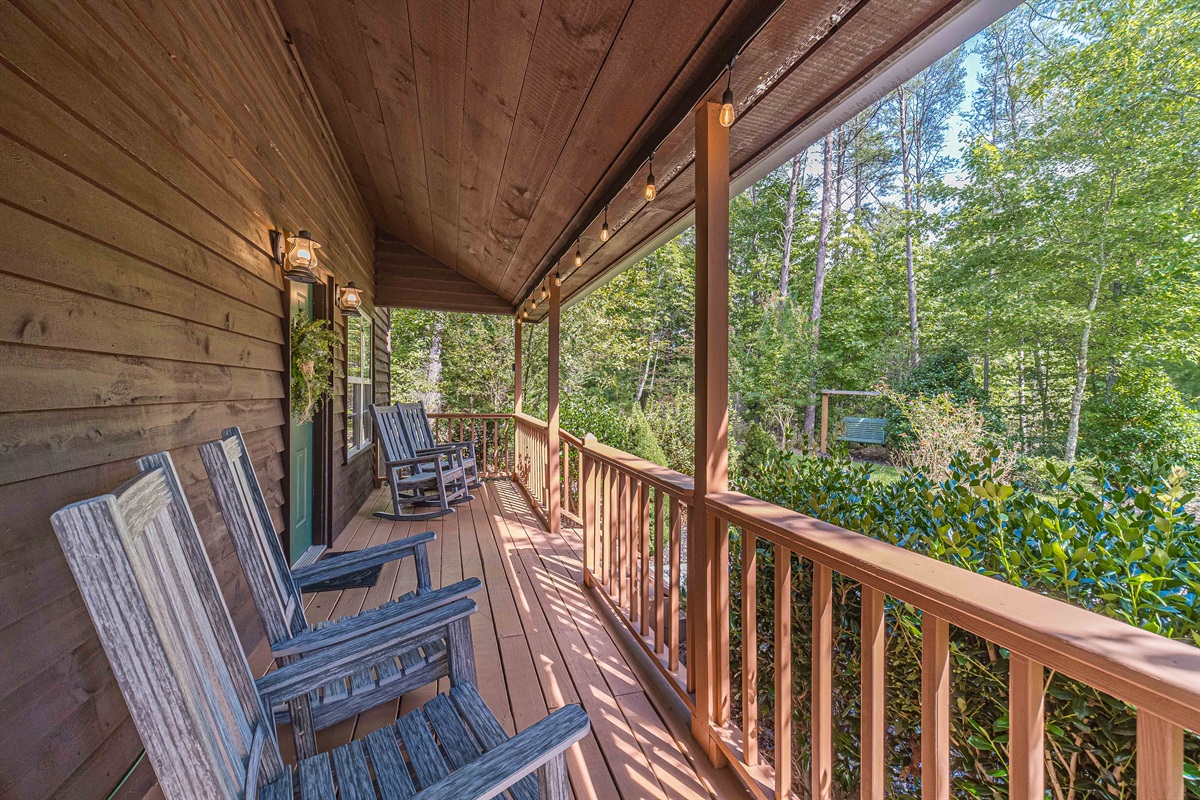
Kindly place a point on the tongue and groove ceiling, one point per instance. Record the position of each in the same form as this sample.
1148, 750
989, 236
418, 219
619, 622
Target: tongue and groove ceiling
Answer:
484, 136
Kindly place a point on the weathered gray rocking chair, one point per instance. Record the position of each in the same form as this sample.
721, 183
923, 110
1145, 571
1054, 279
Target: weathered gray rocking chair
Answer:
420, 433
149, 587
276, 593
437, 479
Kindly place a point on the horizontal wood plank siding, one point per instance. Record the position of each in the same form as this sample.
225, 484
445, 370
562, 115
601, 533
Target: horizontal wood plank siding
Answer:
146, 151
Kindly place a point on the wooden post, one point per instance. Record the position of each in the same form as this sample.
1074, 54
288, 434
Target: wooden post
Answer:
708, 576
518, 341
553, 496
1159, 758
824, 422
1026, 729
587, 492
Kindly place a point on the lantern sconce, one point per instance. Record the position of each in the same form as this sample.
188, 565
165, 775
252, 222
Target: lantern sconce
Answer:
300, 257
350, 300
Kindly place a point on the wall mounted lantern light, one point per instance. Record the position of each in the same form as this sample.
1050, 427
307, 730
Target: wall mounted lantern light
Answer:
350, 300
301, 256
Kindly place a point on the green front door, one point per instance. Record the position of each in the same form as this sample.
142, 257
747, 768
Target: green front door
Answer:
300, 499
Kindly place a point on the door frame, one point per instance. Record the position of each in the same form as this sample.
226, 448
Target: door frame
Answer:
323, 300
324, 307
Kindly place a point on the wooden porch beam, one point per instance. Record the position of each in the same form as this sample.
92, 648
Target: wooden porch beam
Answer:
708, 579
518, 341
553, 499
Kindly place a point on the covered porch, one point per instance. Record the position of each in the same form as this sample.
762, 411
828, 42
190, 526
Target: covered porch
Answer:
487, 158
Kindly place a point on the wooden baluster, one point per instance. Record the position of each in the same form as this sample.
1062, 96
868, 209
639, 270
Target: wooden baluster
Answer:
1159, 758
871, 720
673, 578
635, 550
935, 708
623, 537
783, 673
610, 514
694, 615
822, 683
750, 648
587, 498
660, 599
495, 445
1026, 729
579, 468
644, 582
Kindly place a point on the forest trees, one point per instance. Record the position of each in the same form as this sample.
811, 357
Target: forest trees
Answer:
1029, 200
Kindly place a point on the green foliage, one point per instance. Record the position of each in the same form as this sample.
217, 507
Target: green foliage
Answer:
312, 344
1144, 421
1127, 549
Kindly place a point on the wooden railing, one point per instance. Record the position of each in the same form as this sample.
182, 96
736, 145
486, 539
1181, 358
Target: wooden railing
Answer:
1159, 676
635, 517
635, 523
492, 434
530, 452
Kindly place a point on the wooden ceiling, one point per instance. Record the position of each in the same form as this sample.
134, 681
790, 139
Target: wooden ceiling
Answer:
488, 134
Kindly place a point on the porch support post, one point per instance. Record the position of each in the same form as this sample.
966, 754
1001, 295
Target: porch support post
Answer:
553, 496
518, 339
708, 578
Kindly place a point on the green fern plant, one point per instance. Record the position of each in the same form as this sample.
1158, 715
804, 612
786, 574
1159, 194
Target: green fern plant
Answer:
312, 366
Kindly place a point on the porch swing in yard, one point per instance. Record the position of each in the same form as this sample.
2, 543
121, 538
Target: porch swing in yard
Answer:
859, 430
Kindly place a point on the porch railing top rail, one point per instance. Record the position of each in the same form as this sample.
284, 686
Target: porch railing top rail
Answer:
532, 422
1152, 672
674, 483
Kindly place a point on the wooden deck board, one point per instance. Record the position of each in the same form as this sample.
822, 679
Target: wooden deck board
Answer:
540, 642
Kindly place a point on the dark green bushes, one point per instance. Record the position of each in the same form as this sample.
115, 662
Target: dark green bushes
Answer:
1120, 544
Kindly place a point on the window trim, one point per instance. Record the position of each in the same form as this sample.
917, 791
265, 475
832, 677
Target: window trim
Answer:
366, 350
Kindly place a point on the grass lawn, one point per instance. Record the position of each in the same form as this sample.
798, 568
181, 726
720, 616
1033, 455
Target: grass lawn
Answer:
885, 473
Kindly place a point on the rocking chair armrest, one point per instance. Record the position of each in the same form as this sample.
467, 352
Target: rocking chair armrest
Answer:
439, 449
352, 562
409, 462
362, 652
500, 768
373, 619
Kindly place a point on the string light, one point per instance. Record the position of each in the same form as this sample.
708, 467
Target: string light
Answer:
650, 190
727, 110
726, 117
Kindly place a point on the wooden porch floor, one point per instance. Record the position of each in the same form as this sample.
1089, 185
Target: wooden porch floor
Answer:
540, 643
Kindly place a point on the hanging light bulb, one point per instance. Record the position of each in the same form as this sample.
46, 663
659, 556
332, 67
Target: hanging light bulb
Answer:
557, 279
524, 315
727, 110
604, 234
533, 302
543, 295
650, 190
578, 255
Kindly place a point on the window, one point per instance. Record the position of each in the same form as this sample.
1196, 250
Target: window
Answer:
358, 384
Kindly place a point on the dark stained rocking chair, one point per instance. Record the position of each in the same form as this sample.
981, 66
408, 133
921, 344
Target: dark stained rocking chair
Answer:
420, 433
437, 479
205, 722
276, 593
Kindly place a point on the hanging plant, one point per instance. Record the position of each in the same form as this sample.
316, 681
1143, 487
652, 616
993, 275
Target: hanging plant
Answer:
312, 366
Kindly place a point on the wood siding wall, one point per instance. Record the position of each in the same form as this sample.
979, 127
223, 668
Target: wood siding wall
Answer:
146, 149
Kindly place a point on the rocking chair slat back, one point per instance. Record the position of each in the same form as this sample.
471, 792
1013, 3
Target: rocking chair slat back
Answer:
149, 587
416, 423
390, 429
244, 508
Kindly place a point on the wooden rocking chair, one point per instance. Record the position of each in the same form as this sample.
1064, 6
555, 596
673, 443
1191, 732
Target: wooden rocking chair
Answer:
276, 593
205, 722
420, 433
437, 479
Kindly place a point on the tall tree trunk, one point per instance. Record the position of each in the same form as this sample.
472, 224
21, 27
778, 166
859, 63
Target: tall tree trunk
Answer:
810, 412
1081, 358
1043, 384
433, 367
1022, 432
906, 175
641, 392
789, 224
1081, 372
